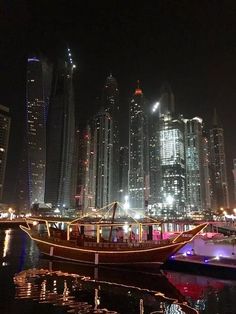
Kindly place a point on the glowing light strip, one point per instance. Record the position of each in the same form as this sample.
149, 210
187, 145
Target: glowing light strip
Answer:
175, 245
33, 60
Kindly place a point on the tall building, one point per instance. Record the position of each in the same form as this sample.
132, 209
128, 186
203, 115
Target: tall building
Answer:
154, 155
138, 176
99, 178
207, 197
36, 98
110, 103
218, 164
234, 175
167, 100
123, 172
195, 187
5, 123
61, 164
85, 183
172, 167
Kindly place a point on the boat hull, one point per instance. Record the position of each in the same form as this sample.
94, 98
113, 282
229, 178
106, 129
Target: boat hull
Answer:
110, 253
139, 257
105, 256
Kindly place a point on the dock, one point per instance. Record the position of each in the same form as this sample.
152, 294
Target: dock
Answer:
203, 265
7, 223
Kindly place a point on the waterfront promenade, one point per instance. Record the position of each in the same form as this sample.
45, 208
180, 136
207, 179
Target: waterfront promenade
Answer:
12, 223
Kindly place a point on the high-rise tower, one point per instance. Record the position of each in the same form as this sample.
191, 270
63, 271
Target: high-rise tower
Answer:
234, 175
60, 174
110, 103
218, 164
138, 176
5, 122
36, 98
195, 187
172, 158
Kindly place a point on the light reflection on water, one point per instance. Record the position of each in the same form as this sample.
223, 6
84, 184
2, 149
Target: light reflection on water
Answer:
67, 290
121, 292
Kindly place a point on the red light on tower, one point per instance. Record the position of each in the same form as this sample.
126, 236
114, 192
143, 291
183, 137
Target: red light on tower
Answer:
138, 90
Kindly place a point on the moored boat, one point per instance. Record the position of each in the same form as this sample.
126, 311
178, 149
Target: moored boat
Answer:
105, 240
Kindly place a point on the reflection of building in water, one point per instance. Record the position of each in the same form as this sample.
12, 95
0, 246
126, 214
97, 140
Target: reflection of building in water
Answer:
199, 291
6, 243
61, 289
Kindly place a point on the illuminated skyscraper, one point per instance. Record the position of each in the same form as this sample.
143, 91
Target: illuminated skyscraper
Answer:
86, 175
110, 103
172, 166
99, 176
195, 187
36, 97
207, 197
234, 175
5, 122
138, 178
154, 154
60, 168
218, 164
172, 158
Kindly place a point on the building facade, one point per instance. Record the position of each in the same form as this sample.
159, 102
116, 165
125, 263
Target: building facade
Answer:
172, 167
61, 167
36, 130
5, 123
110, 103
194, 165
218, 165
234, 176
138, 176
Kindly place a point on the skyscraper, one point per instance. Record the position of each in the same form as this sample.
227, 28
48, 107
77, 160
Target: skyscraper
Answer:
234, 175
207, 197
5, 122
36, 98
110, 103
172, 167
218, 164
172, 158
60, 168
195, 187
138, 176
154, 154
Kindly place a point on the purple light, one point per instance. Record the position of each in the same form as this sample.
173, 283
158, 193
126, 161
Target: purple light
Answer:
206, 260
33, 59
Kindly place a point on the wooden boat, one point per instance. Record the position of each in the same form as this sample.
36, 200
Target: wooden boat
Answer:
94, 240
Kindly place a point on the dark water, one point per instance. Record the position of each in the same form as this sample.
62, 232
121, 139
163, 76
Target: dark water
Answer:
31, 284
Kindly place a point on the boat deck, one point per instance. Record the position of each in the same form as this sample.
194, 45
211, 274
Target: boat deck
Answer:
102, 245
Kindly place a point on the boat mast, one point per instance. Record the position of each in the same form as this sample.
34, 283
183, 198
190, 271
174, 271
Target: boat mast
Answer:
112, 220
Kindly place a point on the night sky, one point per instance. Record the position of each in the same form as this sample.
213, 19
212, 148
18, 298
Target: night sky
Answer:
190, 44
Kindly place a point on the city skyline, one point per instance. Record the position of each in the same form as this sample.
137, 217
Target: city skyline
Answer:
186, 44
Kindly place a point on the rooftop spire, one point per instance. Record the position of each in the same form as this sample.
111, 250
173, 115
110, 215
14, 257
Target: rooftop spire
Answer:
215, 120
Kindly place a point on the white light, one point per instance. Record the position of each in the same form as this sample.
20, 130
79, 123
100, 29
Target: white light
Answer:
69, 54
74, 66
154, 108
57, 210
170, 200
126, 228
